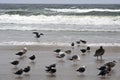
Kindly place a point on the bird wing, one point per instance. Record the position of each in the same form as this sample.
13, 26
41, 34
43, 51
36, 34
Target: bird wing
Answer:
99, 52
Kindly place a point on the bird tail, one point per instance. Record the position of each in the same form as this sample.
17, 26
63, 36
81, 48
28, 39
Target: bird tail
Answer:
58, 56
77, 70
47, 70
70, 59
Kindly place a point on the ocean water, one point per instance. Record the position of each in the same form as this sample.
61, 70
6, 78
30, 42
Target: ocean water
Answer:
61, 24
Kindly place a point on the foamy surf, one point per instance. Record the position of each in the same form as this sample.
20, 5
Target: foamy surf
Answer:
16, 43
60, 19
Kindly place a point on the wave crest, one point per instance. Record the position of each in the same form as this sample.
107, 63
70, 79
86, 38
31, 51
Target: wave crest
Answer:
61, 19
83, 10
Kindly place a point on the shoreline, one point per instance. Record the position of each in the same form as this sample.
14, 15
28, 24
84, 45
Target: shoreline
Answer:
53, 47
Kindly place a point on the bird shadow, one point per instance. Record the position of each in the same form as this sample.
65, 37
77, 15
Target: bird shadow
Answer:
27, 75
61, 61
104, 77
51, 75
32, 63
15, 68
18, 78
22, 57
75, 65
99, 61
37, 40
81, 75
83, 54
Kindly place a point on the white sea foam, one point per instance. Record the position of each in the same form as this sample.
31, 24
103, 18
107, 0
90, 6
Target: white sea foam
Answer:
55, 43
61, 19
77, 10
34, 43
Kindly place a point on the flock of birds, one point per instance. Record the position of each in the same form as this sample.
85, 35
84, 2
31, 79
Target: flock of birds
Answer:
104, 69
21, 54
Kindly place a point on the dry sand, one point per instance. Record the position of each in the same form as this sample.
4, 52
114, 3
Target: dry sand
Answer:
65, 68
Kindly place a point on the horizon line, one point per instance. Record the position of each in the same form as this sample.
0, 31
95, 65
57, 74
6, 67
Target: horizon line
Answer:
66, 3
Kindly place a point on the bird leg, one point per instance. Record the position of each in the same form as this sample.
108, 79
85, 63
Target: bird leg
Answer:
97, 57
101, 57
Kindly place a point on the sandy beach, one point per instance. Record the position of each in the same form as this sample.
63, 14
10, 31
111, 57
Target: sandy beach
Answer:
91, 25
65, 68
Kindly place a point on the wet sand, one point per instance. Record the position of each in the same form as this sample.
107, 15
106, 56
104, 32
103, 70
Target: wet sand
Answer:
65, 68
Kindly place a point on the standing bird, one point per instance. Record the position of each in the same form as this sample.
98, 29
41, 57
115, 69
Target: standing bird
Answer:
68, 51
32, 58
19, 72
22, 52
104, 67
75, 58
68, 54
27, 69
16, 62
83, 51
88, 49
99, 52
37, 34
83, 41
78, 43
51, 68
60, 55
57, 51
72, 45
81, 69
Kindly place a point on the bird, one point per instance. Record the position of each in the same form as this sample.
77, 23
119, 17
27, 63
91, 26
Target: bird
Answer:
57, 50
20, 53
75, 58
83, 51
60, 55
102, 68
103, 72
83, 41
27, 69
78, 43
51, 68
81, 69
32, 58
37, 34
68, 54
110, 64
16, 62
19, 72
68, 51
99, 52
88, 49
72, 45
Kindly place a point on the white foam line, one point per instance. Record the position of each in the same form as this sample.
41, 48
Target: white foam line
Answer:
56, 43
